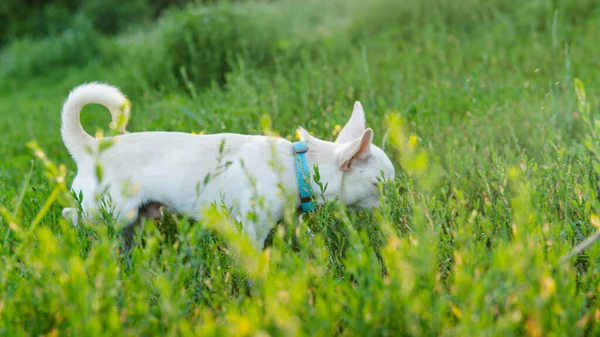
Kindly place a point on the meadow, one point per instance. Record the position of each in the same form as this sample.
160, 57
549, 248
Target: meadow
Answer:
489, 108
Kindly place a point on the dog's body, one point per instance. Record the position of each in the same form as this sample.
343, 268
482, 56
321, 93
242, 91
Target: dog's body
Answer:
171, 168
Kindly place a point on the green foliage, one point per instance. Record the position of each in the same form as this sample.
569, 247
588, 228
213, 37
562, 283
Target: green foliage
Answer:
42, 19
490, 112
74, 47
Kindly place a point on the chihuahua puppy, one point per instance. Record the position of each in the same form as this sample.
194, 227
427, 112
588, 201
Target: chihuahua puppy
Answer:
253, 175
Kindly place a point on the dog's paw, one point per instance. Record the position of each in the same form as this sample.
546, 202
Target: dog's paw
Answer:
70, 214
310, 234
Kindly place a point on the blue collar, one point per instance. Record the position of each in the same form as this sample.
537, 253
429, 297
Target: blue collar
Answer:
303, 173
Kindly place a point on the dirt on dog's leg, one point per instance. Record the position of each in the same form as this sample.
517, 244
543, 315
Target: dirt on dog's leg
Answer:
152, 210
128, 234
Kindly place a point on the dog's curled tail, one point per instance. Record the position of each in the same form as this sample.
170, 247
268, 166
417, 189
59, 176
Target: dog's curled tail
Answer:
73, 134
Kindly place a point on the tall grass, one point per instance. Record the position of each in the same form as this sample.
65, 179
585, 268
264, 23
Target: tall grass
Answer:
490, 111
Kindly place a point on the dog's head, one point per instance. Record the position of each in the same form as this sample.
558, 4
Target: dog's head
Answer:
356, 166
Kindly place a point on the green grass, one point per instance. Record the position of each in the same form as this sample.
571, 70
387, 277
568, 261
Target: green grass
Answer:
496, 157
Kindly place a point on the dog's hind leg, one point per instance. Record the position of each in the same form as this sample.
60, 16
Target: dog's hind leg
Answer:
86, 189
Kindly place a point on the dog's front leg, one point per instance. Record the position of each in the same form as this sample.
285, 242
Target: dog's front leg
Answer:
258, 222
257, 232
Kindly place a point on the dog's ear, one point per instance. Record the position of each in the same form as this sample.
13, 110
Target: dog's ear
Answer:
355, 127
304, 135
355, 150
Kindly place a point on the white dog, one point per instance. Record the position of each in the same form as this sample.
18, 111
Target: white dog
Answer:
170, 168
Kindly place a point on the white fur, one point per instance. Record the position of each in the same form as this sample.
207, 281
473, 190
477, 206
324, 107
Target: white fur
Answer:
169, 167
